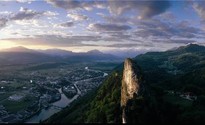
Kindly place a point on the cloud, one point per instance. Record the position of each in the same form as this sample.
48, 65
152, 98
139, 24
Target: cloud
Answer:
120, 35
199, 7
147, 9
25, 14
154, 8
70, 4
108, 27
77, 17
32, 23
182, 41
5, 13
25, 1
100, 4
55, 40
50, 13
129, 45
65, 24
3, 22
116, 19
167, 16
74, 4
162, 29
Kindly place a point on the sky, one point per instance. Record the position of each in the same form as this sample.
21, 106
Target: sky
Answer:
117, 26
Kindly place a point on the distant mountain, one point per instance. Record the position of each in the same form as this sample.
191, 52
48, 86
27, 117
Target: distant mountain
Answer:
22, 55
57, 52
95, 55
19, 55
174, 84
94, 52
18, 49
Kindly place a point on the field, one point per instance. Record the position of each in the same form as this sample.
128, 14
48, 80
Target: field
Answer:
14, 106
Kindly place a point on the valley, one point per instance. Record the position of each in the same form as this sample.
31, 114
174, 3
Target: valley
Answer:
34, 92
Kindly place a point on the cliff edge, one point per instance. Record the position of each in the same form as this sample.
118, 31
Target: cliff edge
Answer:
131, 85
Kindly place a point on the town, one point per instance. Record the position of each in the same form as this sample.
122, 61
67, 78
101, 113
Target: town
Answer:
24, 97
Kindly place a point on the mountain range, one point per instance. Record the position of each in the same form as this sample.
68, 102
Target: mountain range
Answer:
153, 88
22, 55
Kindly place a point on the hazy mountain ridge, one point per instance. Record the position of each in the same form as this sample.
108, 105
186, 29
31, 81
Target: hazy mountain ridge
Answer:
18, 49
22, 55
56, 52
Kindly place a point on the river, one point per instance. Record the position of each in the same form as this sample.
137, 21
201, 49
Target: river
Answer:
54, 108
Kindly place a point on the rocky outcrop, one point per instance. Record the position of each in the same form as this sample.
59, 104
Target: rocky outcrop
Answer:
131, 84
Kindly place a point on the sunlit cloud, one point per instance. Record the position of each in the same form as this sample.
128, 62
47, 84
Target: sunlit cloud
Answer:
6, 44
77, 17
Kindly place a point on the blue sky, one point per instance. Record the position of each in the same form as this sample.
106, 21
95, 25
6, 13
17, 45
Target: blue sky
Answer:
110, 26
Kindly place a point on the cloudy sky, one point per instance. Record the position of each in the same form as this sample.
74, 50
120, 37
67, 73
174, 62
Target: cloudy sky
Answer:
112, 25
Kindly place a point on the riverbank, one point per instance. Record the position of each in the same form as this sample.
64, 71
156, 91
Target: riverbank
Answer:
52, 109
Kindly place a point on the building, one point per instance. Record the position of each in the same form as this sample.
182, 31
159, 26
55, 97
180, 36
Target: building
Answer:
16, 97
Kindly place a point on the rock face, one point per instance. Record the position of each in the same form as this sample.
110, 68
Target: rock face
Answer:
131, 84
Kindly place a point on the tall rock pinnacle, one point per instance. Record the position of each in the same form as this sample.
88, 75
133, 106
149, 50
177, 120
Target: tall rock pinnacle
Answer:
131, 84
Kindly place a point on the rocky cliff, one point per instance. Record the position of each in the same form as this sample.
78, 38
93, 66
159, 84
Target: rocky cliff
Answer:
131, 85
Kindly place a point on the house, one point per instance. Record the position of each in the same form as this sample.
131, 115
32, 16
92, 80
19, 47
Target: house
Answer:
188, 96
16, 97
